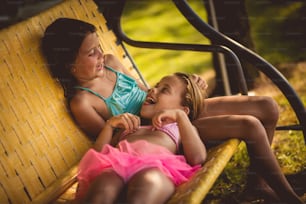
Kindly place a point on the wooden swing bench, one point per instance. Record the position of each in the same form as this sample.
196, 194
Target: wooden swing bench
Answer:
40, 144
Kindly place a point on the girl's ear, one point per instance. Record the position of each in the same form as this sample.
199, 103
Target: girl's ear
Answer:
186, 109
71, 67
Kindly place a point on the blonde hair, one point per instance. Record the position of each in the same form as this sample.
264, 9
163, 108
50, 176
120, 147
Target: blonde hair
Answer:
193, 97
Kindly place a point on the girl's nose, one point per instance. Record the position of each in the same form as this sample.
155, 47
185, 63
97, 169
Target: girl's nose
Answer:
151, 90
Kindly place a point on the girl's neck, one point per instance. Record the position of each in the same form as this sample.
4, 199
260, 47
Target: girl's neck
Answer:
88, 83
92, 81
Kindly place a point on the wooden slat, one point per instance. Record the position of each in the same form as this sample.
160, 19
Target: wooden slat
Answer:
194, 191
39, 141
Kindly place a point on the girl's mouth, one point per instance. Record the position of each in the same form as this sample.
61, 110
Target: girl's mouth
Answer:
149, 101
100, 67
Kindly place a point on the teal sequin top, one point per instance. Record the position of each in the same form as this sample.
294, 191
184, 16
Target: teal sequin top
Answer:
127, 97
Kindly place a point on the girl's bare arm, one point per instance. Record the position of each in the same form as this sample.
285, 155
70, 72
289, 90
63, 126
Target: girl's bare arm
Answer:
194, 149
86, 116
126, 121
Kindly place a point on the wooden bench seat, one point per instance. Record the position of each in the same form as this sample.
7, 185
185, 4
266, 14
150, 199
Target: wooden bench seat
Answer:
40, 145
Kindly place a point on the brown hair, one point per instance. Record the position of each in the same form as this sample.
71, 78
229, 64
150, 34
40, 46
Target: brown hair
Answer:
60, 45
193, 97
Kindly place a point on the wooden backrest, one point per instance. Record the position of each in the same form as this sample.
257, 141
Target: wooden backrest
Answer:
40, 144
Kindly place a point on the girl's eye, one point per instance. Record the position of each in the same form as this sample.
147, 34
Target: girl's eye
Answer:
164, 90
95, 51
92, 52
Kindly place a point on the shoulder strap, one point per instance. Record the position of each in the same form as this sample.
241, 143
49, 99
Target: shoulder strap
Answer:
89, 90
111, 69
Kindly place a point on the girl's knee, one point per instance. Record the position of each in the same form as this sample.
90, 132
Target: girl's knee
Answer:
105, 188
150, 177
150, 186
252, 130
269, 108
250, 125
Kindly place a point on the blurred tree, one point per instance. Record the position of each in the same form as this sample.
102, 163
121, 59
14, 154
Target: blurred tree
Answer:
279, 30
232, 20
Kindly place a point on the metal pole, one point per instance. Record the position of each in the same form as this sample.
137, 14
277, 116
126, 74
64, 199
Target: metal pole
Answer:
221, 59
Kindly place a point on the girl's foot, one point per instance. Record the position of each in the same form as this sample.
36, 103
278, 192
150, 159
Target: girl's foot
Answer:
259, 190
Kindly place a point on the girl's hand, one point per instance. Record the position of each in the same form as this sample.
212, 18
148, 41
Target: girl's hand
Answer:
200, 81
127, 121
166, 116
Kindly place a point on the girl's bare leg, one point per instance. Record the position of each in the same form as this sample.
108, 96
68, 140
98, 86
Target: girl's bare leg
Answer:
149, 186
249, 129
263, 108
105, 189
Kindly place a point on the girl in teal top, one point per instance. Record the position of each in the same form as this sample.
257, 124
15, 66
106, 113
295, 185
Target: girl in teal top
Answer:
127, 97
76, 59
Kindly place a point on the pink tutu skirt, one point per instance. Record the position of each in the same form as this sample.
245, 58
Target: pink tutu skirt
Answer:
128, 159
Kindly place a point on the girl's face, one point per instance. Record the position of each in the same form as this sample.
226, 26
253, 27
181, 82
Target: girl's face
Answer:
89, 62
167, 94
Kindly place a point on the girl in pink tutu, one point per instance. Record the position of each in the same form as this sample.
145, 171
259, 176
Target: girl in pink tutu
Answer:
147, 159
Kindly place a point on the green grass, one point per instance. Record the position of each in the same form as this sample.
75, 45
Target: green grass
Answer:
289, 146
160, 21
278, 30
